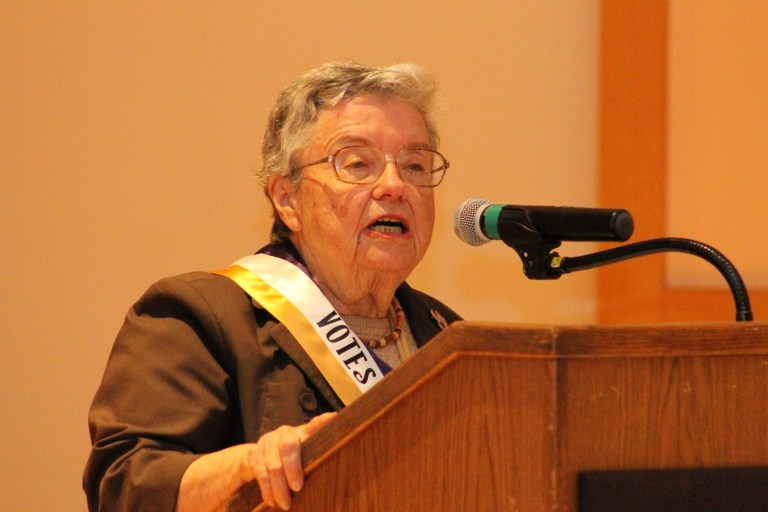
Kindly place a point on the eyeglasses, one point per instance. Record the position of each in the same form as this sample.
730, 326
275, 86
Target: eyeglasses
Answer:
363, 164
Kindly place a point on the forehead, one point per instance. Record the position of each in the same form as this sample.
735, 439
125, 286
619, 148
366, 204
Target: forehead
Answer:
369, 117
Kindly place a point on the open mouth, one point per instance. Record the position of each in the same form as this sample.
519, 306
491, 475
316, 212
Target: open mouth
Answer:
389, 226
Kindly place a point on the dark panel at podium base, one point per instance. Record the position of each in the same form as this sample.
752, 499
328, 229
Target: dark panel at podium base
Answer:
675, 490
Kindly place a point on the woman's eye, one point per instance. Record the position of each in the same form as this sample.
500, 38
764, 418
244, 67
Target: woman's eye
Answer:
357, 164
416, 168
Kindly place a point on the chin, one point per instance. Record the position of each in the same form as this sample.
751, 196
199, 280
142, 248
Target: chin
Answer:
389, 262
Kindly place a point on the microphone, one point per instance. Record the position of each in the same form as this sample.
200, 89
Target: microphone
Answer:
478, 221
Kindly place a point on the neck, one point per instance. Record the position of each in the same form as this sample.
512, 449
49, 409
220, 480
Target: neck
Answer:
353, 289
373, 303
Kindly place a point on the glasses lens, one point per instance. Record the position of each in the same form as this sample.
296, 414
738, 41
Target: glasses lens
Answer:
361, 164
357, 164
421, 167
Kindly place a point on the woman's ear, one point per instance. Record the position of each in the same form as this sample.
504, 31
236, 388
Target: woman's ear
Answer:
282, 194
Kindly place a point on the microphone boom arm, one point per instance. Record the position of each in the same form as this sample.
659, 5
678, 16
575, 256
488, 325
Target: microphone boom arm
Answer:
540, 263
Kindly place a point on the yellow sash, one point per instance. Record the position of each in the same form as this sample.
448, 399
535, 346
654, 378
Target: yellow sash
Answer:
295, 300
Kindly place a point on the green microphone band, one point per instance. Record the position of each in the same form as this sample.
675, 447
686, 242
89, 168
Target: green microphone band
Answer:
491, 223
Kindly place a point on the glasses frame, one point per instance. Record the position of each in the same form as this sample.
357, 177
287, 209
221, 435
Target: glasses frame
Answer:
331, 159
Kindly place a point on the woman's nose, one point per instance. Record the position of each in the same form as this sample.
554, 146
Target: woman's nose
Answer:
390, 183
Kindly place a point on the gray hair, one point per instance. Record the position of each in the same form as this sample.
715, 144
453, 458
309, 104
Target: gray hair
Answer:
294, 115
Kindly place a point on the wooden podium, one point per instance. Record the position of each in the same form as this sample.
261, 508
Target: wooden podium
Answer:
491, 417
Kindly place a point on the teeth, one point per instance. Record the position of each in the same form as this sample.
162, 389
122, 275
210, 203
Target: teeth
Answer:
387, 229
389, 226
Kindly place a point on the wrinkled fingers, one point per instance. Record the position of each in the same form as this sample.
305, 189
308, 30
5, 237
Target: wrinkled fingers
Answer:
275, 464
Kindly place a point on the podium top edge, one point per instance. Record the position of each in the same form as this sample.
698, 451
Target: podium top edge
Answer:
566, 340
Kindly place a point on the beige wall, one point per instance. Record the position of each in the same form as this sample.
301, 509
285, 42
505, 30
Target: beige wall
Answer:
127, 135
718, 137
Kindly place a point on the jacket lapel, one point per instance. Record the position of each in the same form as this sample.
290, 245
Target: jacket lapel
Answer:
298, 355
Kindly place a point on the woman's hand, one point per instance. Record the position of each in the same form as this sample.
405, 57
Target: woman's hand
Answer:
274, 461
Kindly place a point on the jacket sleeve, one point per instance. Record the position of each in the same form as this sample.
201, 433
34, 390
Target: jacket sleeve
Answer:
165, 398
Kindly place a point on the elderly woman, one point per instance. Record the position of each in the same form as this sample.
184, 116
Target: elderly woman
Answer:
217, 377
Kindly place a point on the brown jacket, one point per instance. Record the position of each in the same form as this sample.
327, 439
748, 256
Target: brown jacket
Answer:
194, 369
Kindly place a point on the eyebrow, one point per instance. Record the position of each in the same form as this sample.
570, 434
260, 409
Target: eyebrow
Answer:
346, 142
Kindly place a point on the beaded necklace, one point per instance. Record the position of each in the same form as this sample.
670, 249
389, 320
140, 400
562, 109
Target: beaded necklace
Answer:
393, 336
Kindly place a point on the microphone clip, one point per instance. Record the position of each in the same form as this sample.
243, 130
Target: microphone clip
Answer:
519, 232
